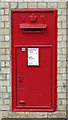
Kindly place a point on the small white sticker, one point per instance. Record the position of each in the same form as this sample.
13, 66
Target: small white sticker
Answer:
23, 48
33, 56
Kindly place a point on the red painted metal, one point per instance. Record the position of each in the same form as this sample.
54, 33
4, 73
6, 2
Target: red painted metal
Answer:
34, 87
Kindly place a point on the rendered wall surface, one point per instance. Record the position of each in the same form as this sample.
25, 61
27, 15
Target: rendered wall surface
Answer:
5, 58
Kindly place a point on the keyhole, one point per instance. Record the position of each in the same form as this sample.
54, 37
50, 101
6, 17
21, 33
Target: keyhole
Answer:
19, 77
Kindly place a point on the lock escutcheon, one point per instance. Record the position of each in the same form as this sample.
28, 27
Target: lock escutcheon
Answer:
20, 78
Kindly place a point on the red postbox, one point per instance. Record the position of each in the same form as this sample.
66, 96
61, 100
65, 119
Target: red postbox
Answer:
34, 59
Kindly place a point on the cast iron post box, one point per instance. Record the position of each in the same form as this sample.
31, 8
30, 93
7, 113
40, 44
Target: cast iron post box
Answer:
34, 59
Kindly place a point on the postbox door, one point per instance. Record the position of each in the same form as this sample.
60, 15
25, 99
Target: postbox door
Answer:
34, 87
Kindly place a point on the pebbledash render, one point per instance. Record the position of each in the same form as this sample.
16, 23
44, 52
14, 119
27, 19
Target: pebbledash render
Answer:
5, 58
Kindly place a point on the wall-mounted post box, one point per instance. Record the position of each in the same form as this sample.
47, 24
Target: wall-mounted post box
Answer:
34, 59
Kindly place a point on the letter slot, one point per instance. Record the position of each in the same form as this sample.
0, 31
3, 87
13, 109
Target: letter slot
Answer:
33, 28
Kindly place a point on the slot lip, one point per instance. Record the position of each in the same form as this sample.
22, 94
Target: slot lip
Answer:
33, 26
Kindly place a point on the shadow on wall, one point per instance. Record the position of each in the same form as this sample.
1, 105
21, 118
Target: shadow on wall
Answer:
33, 119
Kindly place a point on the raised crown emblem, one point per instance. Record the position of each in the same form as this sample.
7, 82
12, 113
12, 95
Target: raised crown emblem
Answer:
33, 18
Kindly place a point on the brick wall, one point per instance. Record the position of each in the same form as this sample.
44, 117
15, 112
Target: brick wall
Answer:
67, 59
5, 58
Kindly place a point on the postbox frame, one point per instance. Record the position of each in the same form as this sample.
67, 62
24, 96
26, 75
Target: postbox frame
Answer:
54, 86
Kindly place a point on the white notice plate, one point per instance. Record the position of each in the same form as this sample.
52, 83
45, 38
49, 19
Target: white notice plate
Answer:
33, 56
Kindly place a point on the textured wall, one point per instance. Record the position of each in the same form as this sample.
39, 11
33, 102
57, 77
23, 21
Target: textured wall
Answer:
67, 60
5, 58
